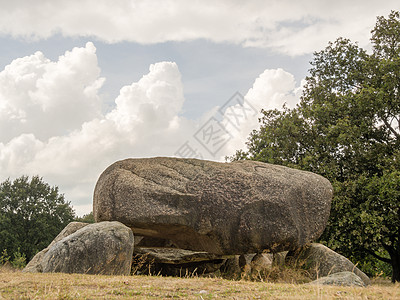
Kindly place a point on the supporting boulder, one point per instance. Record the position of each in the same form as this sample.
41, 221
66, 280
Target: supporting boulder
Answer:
101, 248
261, 262
177, 256
175, 262
221, 208
320, 261
35, 265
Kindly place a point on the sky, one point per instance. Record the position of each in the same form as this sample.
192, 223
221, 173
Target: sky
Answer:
86, 83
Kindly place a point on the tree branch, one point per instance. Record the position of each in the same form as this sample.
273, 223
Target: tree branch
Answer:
397, 135
384, 259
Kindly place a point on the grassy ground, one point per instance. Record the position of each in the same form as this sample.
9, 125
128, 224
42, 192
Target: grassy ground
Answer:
18, 285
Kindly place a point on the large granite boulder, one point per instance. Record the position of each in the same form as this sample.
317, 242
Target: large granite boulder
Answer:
320, 261
222, 208
35, 264
101, 248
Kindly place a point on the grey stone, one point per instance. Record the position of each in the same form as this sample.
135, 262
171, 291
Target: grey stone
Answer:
137, 239
175, 262
320, 261
231, 268
341, 279
177, 256
245, 265
261, 262
100, 248
68, 230
245, 261
222, 208
35, 265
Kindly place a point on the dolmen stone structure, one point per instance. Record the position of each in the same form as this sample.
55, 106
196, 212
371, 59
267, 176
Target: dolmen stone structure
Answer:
221, 208
199, 216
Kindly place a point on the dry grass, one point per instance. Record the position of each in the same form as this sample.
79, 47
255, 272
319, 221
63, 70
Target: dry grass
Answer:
18, 285
277, 274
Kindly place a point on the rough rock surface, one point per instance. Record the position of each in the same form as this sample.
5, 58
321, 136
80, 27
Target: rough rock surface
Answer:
35, 265
321, 261
175, 262
341, 278
247, 265
176, 256
100, 248
260, 262
222, 208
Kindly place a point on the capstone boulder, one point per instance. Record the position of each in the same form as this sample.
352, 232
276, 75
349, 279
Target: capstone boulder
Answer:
221, 208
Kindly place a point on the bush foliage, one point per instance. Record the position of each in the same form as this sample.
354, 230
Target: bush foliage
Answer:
31, 215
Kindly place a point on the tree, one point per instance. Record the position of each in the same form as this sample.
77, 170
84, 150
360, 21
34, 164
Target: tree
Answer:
346, 128
88, 218
32, 214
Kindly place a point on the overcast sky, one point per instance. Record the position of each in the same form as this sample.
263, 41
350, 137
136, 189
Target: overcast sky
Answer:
85, 83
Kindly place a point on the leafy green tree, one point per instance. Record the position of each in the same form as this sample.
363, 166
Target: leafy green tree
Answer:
88, 218
346, 128
31, 215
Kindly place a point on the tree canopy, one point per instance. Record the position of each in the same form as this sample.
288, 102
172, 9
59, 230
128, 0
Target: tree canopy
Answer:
87, 218
31, 215
346, 128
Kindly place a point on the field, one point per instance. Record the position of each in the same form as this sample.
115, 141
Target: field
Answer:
18, 285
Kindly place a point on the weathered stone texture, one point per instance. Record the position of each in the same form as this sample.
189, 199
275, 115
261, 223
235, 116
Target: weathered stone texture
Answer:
221, 208
321, 261
101, 248
341, 279
35, 266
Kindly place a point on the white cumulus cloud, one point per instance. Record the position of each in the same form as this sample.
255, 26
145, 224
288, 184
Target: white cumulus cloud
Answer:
48, 98
42, 139
273, 89
52, 125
